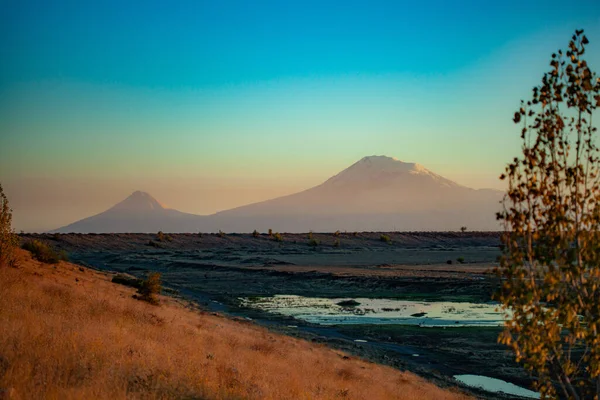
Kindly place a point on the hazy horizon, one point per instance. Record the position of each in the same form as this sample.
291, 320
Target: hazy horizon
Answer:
208, 107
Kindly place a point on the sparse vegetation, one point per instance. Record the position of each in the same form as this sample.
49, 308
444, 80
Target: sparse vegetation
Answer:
337, 233
385, 238
310, 235
463, 229
255, 234
277, 237
43, 252
270, 232
150, 287
336, 243
461, 260
8, 239
313, 243
221, 234
551, 257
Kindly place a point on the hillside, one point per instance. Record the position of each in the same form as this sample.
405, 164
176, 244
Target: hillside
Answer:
68, 332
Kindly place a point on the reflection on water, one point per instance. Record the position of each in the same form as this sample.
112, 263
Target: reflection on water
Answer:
378, 311
496, 385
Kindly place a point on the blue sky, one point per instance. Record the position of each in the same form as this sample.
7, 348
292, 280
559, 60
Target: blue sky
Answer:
208, 105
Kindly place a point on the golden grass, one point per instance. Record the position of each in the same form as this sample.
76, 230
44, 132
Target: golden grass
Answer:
69, 333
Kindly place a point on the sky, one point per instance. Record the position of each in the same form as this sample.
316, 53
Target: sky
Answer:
209, 105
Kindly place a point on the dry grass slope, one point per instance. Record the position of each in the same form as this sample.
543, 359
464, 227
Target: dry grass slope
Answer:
67, 332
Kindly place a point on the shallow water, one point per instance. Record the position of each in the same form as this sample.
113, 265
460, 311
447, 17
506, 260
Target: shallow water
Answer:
326, 311
496, 385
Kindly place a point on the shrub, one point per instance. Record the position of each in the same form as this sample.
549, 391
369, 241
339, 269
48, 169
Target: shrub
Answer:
461, 260
221, 234
161, 237
310, 235
277, 237
44, 252
149, 288
313, 242
385, 238
255, 233
463, 229
336, 243
270, 232
336, 233
8, 239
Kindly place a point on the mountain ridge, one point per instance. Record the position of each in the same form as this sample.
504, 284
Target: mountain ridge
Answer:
374, 193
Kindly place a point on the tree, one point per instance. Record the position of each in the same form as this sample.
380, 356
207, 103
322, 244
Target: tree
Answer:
550, 267
463, 229
8, 239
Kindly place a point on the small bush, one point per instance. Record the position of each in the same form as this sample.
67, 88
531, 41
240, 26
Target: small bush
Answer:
43, 252
385, 238
161, 237
463, 229
310, 235
449, 262
270, 232
313, 242
277, 237
355, 234
149, 288
221, 234
337, 233
336, 243
255, 234
461, 260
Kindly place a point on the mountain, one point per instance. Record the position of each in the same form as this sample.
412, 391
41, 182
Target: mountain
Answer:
140, 212
377, 193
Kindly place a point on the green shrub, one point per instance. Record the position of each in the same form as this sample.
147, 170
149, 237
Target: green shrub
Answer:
337, 233
310, 235
385, 238
255, 233
149, 288
461, 260
277, 237
221, 234
44, 252
313, 242
270, 232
